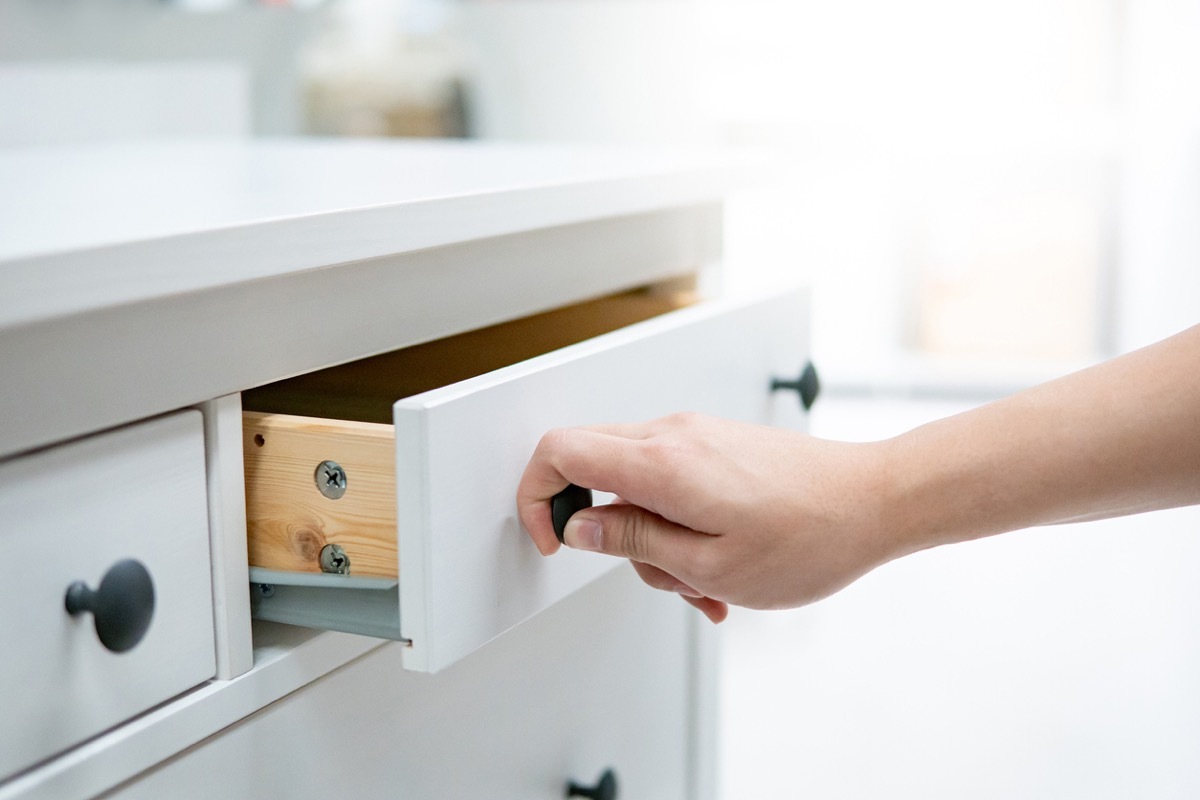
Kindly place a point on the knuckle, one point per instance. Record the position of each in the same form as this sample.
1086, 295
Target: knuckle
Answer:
665, 455
683, 419
553, 440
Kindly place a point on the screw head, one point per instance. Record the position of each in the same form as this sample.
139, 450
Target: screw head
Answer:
334, 559
330, 479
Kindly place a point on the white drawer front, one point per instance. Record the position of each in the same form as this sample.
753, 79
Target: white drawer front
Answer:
467, 571
69, 514
603, 680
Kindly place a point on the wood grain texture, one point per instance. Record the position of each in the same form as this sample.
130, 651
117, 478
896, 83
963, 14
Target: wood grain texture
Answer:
288, 520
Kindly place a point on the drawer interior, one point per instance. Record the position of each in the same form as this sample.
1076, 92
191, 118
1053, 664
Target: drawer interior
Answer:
365, 390
343, 415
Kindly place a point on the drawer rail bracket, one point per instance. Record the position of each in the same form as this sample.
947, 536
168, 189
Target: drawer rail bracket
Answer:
366, 606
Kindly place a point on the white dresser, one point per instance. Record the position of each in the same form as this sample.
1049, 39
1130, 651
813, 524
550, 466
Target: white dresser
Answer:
263, 411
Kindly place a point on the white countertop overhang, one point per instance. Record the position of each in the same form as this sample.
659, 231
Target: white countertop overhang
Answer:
140, 277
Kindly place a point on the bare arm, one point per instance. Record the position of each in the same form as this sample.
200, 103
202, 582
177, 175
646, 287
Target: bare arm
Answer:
724, 512
1116, 439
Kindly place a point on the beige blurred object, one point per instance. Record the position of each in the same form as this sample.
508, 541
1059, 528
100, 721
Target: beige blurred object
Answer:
1010, 276
367, 76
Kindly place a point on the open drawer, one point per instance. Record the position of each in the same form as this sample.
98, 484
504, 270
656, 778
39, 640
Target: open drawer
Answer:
396, 517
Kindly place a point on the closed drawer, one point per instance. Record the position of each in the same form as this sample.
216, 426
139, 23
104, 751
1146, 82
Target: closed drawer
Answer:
431, 458
613, 690
70, 514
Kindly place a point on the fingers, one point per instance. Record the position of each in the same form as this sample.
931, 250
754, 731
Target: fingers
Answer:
654, 577
617, 458
628, 531
601, 457
549, 471
626, 430
613, 458
658, 579
715, 610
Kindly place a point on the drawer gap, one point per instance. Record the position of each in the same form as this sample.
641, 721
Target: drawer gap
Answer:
365, 390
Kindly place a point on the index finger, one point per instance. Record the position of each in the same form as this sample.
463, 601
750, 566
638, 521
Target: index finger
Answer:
590, 457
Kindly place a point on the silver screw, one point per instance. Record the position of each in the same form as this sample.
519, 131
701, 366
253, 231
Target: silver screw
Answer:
334, 559
331, 479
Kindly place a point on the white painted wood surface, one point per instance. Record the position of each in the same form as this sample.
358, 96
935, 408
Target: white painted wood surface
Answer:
285, 659
599, 681
467, 571
90, 227
131, 292
73, 371
69, 514
227, 528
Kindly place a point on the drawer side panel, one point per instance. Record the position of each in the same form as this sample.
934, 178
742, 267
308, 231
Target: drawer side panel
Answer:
289, 521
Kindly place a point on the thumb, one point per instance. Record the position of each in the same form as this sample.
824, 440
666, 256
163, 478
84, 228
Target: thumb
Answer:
627, 531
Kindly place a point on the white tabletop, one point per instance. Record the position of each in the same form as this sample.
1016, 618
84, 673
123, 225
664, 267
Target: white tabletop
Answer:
143, 277
90, 227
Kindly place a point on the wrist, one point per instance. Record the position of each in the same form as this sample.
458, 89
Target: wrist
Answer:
881, 511
913, 498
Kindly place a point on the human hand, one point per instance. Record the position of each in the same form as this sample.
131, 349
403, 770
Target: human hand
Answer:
717, 511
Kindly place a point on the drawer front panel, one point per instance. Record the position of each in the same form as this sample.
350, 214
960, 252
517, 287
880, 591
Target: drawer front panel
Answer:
602, 680
467, 571
69, 514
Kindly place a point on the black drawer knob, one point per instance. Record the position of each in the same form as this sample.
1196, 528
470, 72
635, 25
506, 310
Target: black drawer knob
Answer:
605, 788
808, 385
121, 607
567, 502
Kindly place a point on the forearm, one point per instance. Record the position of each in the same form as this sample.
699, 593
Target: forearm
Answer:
1119, 438
726, 512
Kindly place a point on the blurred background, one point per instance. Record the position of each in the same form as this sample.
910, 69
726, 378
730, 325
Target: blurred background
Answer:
983, 194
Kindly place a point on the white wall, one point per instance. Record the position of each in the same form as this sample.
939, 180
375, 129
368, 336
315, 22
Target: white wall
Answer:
1010, 182
261, 42
1159, 288
49, 103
